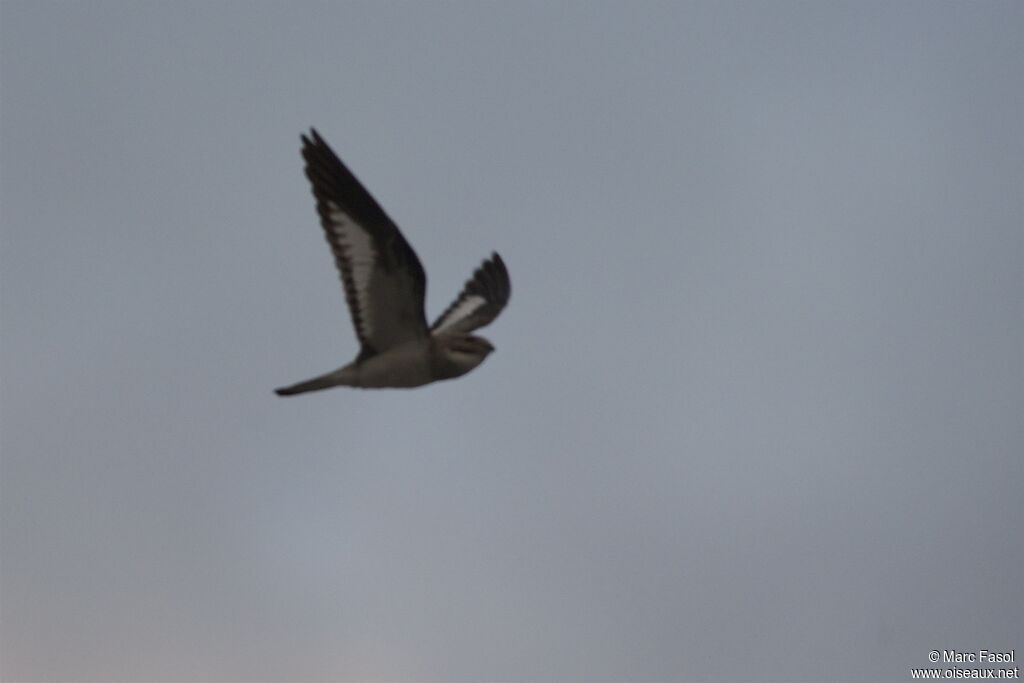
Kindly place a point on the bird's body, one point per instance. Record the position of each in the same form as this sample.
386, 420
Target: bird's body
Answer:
408, 365
385, 285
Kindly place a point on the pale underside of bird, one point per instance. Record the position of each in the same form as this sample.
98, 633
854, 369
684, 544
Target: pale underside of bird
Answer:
385, 285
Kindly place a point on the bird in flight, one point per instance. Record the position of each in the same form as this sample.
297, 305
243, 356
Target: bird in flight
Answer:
385, 285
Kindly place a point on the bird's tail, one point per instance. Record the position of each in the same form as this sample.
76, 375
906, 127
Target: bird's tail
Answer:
331, 379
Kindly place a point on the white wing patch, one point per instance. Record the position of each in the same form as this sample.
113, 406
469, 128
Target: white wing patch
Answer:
361, 257
462, 310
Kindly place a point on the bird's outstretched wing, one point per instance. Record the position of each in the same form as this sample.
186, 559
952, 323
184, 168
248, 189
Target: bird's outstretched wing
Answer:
383, 279
480, 302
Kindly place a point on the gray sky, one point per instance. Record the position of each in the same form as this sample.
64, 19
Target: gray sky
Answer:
755, 412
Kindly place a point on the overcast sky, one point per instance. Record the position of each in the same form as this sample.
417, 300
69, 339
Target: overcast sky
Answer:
755, 409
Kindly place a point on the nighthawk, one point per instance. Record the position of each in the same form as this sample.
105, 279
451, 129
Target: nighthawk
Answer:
384, 286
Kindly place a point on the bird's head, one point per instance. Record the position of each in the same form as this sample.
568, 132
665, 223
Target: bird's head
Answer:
465, 352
